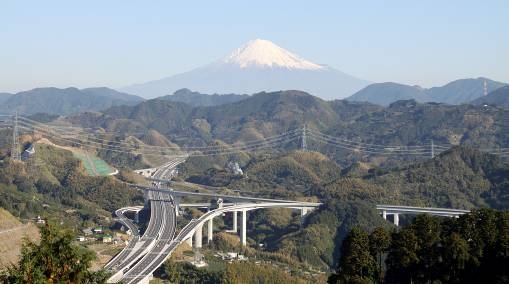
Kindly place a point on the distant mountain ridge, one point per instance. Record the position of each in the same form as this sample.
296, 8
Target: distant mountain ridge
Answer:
257, 66
198, 99
67, 101
456, 92
4, 97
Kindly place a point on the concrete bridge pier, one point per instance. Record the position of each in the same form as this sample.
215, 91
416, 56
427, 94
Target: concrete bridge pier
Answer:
210, 230
303, 211
198, 236
234, 221
137, 217
243, 222
396, 219
176, 201
384, 214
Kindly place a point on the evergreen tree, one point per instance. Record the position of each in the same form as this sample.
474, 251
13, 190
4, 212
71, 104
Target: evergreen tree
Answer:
427, 229
455, 256
356, 264
402, 258
379, 241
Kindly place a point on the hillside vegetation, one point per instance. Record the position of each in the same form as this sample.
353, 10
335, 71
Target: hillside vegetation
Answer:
265, 115
197, 99
12, 233
57, 187
460, 178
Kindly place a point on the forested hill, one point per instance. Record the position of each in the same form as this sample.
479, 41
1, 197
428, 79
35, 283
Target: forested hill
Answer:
268, 114
65, 101
459, 178
198, 99
499, 97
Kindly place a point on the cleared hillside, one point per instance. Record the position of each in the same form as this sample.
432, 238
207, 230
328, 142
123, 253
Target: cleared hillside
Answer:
12, 233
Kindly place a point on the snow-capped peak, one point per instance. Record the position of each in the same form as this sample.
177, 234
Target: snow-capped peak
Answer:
264, 53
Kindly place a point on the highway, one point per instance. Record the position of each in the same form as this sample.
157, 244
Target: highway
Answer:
190, 228
215, 195
156, 256
141, 258
165, 172
124, 262
138, 247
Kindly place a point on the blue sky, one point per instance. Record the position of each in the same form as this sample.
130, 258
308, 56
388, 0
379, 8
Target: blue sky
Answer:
117, 43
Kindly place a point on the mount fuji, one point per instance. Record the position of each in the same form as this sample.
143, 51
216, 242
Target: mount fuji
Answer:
259, 65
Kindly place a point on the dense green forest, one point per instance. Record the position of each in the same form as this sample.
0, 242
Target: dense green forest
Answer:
473, 248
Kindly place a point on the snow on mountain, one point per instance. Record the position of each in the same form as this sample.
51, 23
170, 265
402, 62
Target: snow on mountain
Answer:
264, 53
259, 65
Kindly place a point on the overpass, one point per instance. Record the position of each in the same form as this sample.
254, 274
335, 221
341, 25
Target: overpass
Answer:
165, 245
142, 256
235, 198
396, 210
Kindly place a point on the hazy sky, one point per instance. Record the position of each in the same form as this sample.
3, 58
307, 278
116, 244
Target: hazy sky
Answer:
117, 43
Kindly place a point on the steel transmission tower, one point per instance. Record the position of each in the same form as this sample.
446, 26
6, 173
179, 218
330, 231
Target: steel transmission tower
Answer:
485, 88
15, 153
304, 144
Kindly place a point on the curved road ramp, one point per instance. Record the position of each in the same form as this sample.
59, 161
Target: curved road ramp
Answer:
142, 256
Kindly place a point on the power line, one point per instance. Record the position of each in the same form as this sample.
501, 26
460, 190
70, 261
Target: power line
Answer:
15, 151
99, 141
215, 149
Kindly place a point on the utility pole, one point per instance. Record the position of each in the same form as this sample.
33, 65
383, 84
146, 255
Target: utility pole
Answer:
432, 149
15, 152
304, 145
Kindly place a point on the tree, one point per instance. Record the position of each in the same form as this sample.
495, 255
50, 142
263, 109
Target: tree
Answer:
172, 271
356, 264
403, 257
427, 229
54, 260
455, 256
379, 242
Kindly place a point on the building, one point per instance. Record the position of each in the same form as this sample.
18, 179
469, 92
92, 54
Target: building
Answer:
107, 239
29, 152
87, 231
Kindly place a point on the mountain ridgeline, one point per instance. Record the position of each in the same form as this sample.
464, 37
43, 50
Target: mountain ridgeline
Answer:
454, 93
67, 101
263, 115
196, 99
